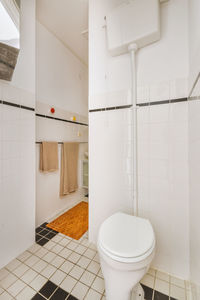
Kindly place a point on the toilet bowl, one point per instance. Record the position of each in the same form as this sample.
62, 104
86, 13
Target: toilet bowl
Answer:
126, 246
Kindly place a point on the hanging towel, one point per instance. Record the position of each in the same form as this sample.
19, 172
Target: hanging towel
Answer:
48, 156
69, 164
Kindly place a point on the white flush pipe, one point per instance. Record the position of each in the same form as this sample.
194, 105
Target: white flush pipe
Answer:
132, 50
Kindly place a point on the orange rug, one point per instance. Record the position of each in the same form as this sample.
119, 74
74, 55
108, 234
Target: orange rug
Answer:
73, 223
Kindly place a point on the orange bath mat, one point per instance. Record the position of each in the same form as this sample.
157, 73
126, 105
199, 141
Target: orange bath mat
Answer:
73, 223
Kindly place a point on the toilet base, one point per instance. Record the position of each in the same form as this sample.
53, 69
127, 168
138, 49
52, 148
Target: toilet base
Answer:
138, 293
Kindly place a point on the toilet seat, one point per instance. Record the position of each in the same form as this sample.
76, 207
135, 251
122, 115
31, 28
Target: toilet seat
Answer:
126, 238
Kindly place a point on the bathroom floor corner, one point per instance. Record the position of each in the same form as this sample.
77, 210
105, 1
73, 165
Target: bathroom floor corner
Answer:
59, 267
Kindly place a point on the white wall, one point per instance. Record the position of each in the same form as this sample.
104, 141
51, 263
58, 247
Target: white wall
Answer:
61, 79
17, 151
162, 75
194, 147
62, 83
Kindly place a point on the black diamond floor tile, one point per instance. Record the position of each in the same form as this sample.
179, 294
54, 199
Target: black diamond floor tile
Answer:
48, 289
160, 296
72, 298
148, 292
50, 235
44, 232
38, 297
42, 242
38, 237
173, 298
44, 225
38, 229
59, 295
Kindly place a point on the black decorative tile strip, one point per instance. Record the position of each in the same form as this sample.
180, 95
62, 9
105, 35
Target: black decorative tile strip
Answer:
17, 105
43, 234
59, 294
110, 108
72, 298
148, 292
160, 296
48, 289
38, 297
162, 102
58, 119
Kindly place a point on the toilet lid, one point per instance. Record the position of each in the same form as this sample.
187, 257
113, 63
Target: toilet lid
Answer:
126, 236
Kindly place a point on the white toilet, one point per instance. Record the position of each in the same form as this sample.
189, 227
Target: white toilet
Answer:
126, 246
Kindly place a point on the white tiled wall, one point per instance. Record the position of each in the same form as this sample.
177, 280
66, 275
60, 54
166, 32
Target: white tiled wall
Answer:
194, 167
17, 173
48, 202
163, 182
110, 166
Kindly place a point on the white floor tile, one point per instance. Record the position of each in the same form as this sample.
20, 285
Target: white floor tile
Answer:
49, 245
20, 270
40, 253
162, 286
22, 257
93, 295
64, 242
65, 253
13, 265
8, 280
87, 278
3, 273
29, 276
57, 248
57, 238
26, 294
57, 261
94, 267
96, 258
177, 281
98, 285
5, 296
76, 272
162, 276
93, 246
148, 280
100, 274
79, 291
89, 253
34, 248
40, 265
80, 249
16, 287
67, 267
177, 292
83, 262
38, 282
68, 284
48, 271
152, 272
1, 290
74, 257
85, 242
58, 277
31, 260
72, 245
49, 257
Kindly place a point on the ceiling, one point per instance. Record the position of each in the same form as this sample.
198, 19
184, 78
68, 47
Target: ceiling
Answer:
66, 21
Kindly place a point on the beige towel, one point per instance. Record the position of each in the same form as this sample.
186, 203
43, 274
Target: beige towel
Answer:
48, 156
69, 164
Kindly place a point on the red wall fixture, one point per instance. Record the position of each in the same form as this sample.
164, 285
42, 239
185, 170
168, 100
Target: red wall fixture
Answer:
52, 110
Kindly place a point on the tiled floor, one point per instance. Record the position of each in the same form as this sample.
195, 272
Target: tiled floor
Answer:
58, 267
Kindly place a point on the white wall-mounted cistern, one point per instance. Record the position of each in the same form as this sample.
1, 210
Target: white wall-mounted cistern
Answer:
130, 26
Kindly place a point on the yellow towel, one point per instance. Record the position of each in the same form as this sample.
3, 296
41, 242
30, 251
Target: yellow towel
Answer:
48, 156
69, 164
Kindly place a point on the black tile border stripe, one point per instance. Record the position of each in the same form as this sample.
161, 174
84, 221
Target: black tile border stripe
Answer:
162, 102
58, 119
141, 104
17, 105
111, 108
